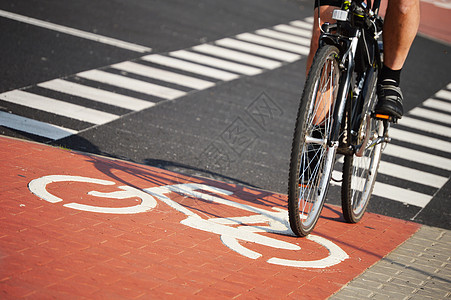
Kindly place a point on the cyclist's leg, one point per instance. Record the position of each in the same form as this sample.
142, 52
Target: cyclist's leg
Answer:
400, 28
325, 9
401, 24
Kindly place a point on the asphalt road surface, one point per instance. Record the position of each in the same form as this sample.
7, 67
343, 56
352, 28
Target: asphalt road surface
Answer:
192, 87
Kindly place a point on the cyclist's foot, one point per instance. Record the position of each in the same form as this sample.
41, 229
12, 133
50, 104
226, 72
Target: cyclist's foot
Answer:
309, 165
389, 99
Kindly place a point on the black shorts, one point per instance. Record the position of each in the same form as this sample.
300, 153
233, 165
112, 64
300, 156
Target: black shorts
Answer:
328, 2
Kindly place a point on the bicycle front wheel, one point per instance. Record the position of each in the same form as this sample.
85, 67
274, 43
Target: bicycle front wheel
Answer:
312, 156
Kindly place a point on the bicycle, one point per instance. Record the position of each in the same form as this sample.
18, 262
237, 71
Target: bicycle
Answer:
336, 116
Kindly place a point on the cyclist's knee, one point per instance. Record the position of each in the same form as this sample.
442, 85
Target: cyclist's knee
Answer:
404, 7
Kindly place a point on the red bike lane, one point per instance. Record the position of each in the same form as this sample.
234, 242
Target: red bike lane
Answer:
76, 225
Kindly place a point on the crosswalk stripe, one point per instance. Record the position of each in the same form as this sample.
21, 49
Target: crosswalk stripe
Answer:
401, 195
31, 126
432, 115
58, 107
393, 193
132, 84
443, 94
273, 43
418, 156
284, 36
216, 62
309, 20
190, 67
259, 50
163, 75
302, 24
95, 94
426, 126
419, 139
412, 175
437, 104
293, 30
238, 56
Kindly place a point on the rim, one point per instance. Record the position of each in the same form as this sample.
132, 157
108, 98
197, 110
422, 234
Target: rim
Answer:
364, 171
313, 186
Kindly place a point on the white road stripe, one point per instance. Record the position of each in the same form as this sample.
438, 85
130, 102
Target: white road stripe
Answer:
425, 126
401, 195
190, 67
418, 156
76, 32
284, 37
302, 24
444, 94
132, 84
259, 50
238, 56
293, 30
34, 127
95, 94
216, 62
309, 20
58, 107
430, 114
419, 139
394, 193
258, 39
437, 104
412, 175
191, 82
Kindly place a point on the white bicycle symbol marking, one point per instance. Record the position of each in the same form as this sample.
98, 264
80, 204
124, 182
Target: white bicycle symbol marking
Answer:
231, 236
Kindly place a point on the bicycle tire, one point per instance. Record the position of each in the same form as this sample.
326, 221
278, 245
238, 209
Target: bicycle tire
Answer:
307, 193
359, 173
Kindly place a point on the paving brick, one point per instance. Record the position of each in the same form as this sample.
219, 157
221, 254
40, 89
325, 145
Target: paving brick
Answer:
362, 292
420, 297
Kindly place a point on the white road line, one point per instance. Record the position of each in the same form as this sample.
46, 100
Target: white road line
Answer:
419, 139
437, 104
58, 107
76, 32
95, 94
425, 126
418, 156
191, 82
284, 36
216, 62
430, 114
258, 39
302, 24
34, 127
190, 67
238, 56
293, 30
132, 84
259, 50
444, 94
412, 175
394, 193
401, 195
309, 20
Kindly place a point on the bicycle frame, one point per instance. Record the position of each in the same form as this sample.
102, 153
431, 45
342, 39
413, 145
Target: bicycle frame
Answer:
354, 20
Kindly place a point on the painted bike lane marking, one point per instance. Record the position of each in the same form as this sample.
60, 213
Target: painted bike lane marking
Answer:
246, 231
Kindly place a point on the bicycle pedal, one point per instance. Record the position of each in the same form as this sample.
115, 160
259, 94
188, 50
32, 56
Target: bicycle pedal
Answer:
384, 117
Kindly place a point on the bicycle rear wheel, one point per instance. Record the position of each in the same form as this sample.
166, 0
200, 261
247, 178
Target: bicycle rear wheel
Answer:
359, 173
312, 156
